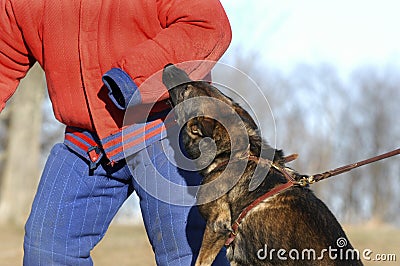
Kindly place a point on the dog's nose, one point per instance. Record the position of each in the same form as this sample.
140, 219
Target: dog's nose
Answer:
173, 76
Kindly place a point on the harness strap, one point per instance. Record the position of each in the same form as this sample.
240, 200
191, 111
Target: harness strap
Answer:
278, 189
272, 192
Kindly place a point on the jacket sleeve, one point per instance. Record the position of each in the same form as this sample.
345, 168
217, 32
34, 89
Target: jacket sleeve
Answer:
192, 30
14, 57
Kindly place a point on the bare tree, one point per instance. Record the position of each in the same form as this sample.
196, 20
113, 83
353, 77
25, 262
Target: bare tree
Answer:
22, 154
376, 109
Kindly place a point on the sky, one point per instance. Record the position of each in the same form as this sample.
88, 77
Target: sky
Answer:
346, 34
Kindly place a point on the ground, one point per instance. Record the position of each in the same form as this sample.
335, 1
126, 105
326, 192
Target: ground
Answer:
128, 246
123, 245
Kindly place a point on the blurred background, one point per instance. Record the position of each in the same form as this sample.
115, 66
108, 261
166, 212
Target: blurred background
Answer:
331, 74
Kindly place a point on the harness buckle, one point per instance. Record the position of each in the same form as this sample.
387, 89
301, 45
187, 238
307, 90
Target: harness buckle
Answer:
95, 155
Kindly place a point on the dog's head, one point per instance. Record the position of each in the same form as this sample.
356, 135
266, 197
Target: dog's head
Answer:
212, 124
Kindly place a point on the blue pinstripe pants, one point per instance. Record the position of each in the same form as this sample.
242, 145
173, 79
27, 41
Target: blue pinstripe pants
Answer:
73, 208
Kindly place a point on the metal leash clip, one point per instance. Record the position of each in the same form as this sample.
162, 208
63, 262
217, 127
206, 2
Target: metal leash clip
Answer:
306, 180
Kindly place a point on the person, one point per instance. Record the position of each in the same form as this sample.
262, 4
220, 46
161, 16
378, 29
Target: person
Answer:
96, 55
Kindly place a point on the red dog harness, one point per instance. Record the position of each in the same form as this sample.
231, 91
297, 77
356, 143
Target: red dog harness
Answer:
305, 181
278, 189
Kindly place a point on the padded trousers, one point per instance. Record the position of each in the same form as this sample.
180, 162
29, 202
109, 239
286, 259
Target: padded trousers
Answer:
74, 206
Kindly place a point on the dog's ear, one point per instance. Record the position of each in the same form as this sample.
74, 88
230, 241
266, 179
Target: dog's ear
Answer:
173, 76
261, 173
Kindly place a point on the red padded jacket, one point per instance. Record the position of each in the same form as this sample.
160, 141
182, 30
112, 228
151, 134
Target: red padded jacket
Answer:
78, 41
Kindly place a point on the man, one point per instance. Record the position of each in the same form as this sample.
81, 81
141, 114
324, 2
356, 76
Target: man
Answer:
97, 55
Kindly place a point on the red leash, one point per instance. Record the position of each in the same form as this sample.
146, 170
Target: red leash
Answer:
340, 170
302, 182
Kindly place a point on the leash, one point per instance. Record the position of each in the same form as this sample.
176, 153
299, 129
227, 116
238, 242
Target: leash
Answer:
308, 180
291, 181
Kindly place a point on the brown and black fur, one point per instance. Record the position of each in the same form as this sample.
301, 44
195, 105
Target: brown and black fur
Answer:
293, 219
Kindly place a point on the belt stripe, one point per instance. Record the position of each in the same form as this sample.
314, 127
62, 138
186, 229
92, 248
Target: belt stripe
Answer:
125, 142
76, 142
117, 140
82, 136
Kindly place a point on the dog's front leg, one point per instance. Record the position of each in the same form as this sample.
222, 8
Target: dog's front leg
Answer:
217, 231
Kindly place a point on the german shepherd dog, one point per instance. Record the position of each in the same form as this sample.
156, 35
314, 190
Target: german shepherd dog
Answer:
292, 227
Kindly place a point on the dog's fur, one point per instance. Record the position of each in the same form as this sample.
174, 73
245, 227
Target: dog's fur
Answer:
292, 220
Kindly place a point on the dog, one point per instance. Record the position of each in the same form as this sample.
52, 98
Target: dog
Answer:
290, 226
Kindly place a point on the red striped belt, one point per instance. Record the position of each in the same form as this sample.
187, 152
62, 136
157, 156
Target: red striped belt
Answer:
116, 147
